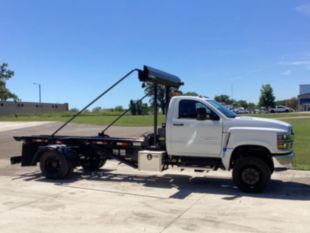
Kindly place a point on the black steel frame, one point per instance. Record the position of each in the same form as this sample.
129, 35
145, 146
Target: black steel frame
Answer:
102, 142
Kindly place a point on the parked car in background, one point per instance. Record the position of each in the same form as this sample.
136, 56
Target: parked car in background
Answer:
257, 111
241, 111
281, 108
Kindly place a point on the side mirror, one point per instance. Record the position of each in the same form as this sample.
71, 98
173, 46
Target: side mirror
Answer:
214, 117
201, 114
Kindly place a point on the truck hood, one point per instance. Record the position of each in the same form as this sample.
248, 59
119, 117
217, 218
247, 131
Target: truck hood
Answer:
257, 122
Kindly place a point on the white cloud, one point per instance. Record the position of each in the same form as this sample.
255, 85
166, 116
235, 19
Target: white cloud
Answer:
304, 8
287, 72
305, 64
297, 63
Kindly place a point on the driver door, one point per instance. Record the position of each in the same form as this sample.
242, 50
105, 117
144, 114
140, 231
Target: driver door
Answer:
195, 137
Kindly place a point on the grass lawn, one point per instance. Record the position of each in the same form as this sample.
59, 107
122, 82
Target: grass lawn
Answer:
302, 142
300, 122
89, 118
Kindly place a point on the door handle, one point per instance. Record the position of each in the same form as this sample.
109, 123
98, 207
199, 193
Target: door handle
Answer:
178, 124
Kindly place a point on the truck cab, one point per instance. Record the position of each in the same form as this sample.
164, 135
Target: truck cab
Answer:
199, 127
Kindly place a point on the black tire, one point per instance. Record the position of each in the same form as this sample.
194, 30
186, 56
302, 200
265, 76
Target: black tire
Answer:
251, 174
92, 163
54, 165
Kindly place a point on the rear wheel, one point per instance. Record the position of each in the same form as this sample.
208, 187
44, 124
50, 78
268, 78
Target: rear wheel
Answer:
251, 174
92, 163
54, 165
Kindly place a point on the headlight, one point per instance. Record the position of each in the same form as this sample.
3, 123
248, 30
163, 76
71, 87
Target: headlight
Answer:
283, 137
285, 141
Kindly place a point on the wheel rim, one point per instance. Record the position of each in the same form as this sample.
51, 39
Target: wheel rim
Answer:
53, 165
250, 176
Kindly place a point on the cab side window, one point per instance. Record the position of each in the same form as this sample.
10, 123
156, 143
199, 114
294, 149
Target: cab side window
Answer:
188, 108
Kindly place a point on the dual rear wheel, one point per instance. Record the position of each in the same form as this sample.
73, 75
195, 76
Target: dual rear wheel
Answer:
55, 165
92, 163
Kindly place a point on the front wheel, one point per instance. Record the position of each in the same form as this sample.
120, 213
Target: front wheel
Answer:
251, 174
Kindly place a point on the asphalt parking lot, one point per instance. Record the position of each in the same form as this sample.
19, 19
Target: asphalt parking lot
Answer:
121, 199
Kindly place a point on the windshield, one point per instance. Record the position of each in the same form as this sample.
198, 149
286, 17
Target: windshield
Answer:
222, 109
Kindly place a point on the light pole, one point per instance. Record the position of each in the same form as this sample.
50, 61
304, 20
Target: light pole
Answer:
39, 85
232, 90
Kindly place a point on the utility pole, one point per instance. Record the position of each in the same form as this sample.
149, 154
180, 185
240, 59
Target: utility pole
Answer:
39, 85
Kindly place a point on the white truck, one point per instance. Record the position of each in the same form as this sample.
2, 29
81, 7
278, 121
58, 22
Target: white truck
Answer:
199, 133
200, 128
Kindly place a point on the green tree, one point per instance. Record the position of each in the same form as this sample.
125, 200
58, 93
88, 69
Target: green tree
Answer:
266, 99
241, 103
161, 95
251, 106
6, 74
74, 110
138, 108
224, 99
190, 93
143, 108
292, 102
119, 108
96, 109
132, 107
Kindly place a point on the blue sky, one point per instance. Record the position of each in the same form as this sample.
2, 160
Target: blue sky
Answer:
76, 49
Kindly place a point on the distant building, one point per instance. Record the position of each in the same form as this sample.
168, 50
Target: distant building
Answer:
304, 97
12, 108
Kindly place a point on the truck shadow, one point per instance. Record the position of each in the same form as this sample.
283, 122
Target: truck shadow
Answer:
183, 184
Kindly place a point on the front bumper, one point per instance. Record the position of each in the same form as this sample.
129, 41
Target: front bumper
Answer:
289, 155
284, 160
